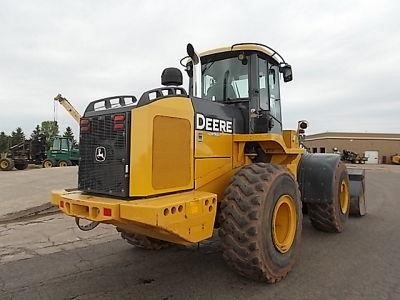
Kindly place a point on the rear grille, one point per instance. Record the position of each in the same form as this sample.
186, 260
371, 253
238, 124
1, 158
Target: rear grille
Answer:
103, 168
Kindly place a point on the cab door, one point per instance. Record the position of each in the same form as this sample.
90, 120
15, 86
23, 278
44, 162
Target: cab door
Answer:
270, 99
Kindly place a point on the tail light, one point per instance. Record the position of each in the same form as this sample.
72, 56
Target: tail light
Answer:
119, 122
85, 125
107, 212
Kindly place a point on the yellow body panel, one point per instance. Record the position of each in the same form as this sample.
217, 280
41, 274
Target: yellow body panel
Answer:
284, 149
183, 218
169, 157
172, 153
213, 144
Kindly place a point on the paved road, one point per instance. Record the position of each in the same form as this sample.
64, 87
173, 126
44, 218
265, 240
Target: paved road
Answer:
363, 262
20, 190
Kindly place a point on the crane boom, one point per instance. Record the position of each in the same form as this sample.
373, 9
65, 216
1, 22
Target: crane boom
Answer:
68, 107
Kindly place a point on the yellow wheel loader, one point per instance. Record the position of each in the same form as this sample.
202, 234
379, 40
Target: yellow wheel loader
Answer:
396, 159
175, 165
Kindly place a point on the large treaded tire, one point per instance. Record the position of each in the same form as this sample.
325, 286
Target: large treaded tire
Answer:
48, 163
21, 166
142, 241
246, 222
329, 217
64, 163
6, 164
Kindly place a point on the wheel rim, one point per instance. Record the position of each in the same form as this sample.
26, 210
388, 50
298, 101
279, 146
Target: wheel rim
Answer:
47, 164
63, 164
4, 164
284, 223
344, 198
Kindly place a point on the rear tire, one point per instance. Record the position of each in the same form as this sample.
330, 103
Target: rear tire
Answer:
64, 163
21, 166
330, 217
261, 222
6, 164
143, 242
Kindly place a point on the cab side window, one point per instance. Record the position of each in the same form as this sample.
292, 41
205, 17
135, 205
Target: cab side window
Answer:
263, 83
274, 95
64, 144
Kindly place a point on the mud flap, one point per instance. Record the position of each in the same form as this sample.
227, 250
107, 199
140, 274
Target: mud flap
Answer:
358, 205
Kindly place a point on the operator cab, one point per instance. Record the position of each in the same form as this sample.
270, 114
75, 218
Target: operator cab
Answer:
245, 76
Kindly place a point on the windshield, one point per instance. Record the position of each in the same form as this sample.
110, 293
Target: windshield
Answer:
225, 80
60, 144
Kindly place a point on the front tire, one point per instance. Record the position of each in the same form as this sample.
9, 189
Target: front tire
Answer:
48, 163
261, 222
331, 216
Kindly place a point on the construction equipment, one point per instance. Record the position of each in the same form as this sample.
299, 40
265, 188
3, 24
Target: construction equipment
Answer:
353, 157
395, 159
172, 166
32, 151
68, 107
63, 153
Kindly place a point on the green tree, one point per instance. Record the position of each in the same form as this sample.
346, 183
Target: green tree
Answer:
50, 130
36, 132
3, 142
69, 134
17, 136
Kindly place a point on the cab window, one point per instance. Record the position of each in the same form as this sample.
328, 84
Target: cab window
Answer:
268, 76
225, 80
263, 83
274, 98
64, 144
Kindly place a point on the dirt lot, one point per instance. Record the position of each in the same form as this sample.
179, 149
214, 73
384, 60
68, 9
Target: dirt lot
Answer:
48, 258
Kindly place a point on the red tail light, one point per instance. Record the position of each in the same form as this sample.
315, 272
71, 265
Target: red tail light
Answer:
119, 122
107, 212
119, 126
85, 125
119, 118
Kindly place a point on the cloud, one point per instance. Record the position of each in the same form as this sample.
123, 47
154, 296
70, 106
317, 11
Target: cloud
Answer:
345, 54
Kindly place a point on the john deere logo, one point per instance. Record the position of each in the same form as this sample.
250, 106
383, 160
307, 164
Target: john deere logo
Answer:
213, 124
100, 154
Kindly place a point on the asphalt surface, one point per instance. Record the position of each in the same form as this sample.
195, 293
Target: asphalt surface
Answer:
26, 189
47, 258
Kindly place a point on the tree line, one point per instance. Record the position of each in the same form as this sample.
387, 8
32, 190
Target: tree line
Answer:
49, 129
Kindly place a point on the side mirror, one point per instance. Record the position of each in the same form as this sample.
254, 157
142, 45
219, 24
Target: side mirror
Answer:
287, 73
192, 54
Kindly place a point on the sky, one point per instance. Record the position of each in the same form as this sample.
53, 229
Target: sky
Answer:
345, 55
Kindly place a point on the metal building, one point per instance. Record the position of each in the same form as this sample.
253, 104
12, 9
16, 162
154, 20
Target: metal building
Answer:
378, 147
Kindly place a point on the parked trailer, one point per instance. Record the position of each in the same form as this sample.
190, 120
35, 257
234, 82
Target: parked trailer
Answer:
32, 151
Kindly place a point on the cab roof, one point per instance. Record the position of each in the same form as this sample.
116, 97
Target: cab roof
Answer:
247, 47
